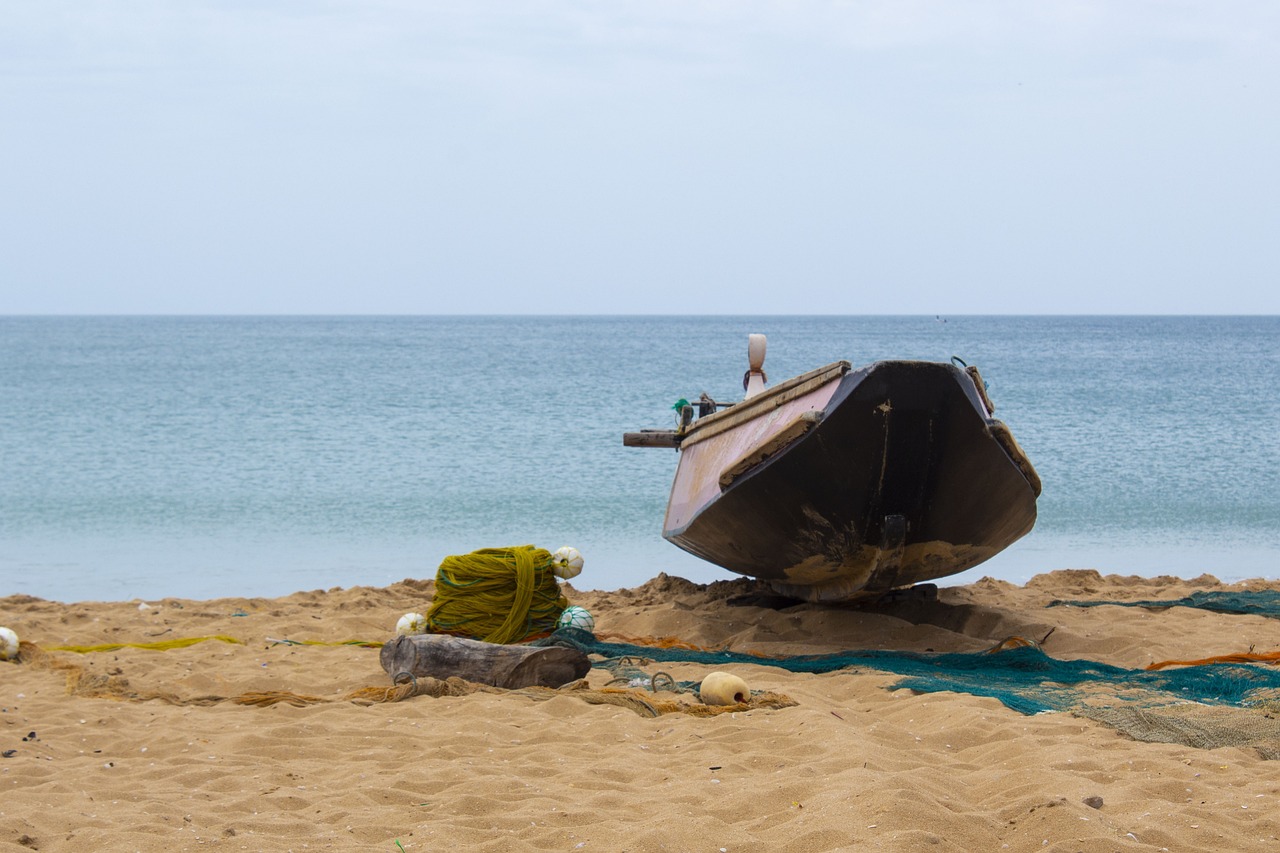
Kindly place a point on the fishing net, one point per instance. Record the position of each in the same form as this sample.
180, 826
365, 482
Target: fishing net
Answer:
1262, 602
1018, 674
641, 701
1231, 700
1204, 706
1192, 724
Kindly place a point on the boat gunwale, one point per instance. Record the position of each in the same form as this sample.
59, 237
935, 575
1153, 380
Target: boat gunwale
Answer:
763, 403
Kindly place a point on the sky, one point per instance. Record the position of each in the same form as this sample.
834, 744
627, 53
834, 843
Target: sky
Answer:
660, 157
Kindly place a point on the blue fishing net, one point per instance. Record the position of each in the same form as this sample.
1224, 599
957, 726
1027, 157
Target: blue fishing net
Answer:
1023, 678
1263, 602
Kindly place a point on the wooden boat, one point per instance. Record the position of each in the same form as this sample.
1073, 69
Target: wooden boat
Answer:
844, 483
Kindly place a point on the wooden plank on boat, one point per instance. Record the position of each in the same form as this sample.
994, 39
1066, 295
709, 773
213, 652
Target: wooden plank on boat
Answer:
651, 438
792, 431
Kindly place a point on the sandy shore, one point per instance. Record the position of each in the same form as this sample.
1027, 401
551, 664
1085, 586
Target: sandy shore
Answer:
854, 764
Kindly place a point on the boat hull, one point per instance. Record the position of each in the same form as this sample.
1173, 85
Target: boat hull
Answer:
847, 483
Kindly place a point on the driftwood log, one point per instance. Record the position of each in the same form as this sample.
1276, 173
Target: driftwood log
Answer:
511, 667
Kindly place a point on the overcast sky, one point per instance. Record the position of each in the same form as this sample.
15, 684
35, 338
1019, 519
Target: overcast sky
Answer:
640, 157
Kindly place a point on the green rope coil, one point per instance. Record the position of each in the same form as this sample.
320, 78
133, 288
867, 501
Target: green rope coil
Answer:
498, 595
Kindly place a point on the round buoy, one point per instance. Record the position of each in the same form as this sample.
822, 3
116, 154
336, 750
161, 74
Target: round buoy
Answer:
411, 623
577, 617
723, 688
566, 562
8, 644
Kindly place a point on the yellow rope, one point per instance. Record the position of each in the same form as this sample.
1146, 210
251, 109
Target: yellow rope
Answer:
365, 644
498, 595
1235, 657
161, 646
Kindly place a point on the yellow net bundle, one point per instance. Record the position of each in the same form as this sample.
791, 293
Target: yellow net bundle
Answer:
498, 595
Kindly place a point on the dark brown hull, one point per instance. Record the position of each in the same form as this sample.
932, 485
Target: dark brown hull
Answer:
872, 479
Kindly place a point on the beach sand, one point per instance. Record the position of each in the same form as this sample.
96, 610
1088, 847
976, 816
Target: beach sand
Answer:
853, 765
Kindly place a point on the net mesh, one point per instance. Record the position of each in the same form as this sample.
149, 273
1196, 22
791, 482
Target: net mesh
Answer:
1231, 700
1206, 706
1018, 674
644, 702
1259, 602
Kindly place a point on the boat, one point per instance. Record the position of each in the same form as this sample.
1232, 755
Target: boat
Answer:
846, 483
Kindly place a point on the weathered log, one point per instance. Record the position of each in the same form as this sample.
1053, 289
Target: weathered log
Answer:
511, 667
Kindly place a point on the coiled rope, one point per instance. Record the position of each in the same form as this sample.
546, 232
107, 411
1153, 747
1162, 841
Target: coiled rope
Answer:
498, 595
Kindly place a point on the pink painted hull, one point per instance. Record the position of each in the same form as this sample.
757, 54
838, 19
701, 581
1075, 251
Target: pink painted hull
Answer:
697, 480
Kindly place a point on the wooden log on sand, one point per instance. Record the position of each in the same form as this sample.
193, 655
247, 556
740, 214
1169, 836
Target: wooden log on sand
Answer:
511, 667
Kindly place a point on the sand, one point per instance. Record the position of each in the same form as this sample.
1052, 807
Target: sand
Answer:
854, 765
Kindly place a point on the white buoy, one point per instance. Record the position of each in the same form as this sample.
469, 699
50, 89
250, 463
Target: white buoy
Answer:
723, 688
8, 644
411, 623
753, 382
566, 562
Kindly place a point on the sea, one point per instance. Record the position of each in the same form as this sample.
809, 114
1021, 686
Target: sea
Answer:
145, 457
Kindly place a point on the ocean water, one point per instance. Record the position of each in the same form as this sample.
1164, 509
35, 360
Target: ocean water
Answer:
143, 457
